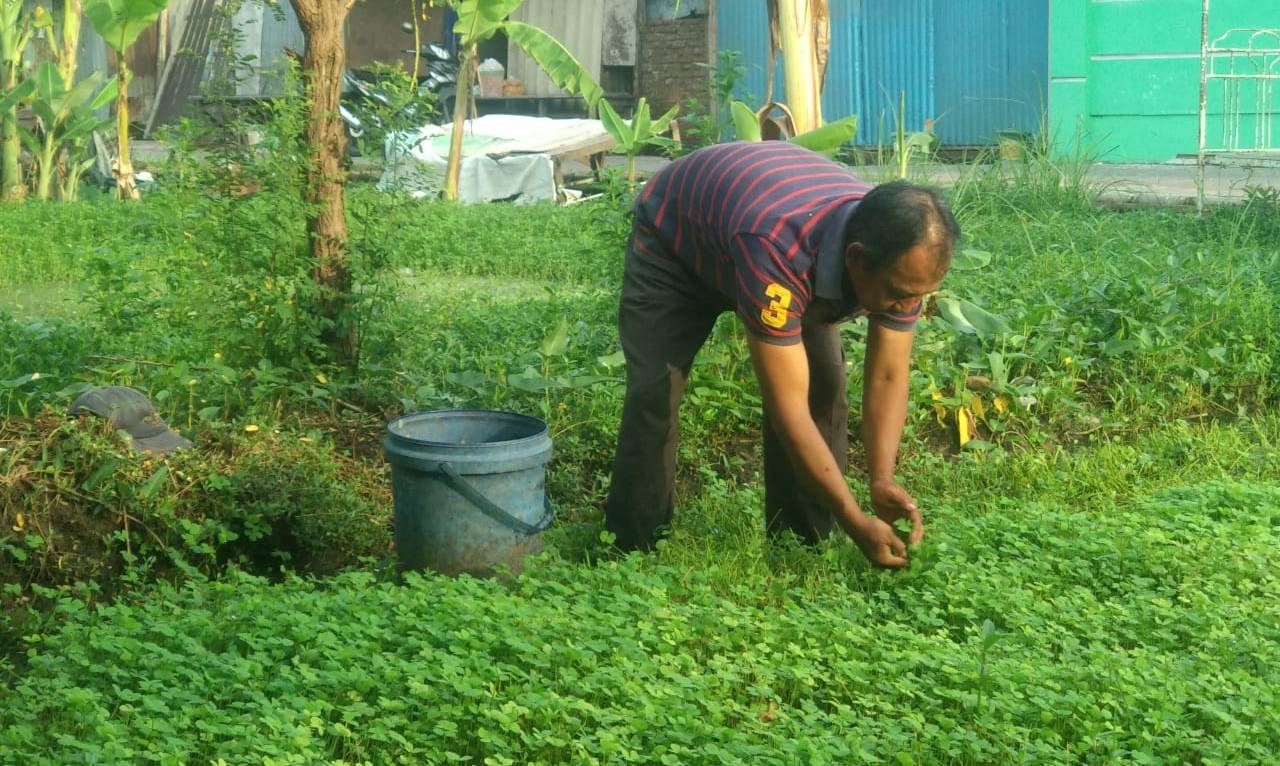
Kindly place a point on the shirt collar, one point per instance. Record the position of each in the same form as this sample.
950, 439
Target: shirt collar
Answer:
828, 277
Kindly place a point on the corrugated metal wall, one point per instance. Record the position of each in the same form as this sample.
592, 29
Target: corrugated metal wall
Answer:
578, 25
280, 30
975, 66
899, 58
993, 67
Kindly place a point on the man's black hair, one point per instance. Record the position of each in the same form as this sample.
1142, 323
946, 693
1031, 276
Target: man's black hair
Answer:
895, 217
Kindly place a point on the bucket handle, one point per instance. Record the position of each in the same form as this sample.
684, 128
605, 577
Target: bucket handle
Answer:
492, 509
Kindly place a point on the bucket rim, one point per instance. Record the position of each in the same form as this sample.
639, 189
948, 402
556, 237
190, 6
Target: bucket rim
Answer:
541, 432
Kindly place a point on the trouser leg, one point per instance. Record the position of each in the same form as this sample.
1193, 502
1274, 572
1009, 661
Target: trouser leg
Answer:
789, 505
662, 321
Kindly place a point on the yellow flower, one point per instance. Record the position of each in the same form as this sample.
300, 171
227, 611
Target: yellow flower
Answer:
217, 356
1067, 360
251, 429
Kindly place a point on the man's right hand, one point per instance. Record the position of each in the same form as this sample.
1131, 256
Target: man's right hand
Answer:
879, 543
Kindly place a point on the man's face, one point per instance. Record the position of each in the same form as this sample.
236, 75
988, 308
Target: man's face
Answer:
898, 288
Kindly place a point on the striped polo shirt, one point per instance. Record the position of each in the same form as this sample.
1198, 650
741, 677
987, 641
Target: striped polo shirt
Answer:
762, 224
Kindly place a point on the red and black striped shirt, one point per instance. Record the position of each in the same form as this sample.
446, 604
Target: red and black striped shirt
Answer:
763, 225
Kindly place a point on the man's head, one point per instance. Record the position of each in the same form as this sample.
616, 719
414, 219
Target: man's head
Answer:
898, 245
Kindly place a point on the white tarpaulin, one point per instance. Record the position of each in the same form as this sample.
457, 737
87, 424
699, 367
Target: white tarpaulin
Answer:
503, 157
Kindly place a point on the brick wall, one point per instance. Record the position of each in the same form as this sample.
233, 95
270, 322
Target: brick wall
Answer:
670, 52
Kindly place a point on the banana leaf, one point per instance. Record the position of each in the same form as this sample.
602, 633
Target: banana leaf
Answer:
615, 125
829, 137
119, 22
479, 20
745, 123
11, 99
555, 60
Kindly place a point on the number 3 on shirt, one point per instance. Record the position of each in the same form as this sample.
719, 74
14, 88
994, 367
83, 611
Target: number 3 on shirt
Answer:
775, 314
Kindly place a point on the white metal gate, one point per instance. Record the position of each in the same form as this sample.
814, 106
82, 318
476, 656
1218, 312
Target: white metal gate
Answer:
1243, 66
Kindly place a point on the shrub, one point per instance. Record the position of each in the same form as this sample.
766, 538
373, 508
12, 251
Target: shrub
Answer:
77, 505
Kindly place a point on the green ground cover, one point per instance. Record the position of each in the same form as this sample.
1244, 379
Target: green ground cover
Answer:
1098, 583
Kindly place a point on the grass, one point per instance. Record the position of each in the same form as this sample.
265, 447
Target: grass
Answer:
1092, 590
49, 300
1049, 627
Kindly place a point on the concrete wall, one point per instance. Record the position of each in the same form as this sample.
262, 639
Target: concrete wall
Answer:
1125, 76
670, 52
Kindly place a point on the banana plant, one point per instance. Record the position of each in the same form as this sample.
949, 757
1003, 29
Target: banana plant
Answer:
824, 140
802, 29
480, 20
63, 42
641, 131
15, 33
119, 22
64, 121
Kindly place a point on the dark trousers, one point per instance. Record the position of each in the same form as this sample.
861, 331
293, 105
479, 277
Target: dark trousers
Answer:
664, 317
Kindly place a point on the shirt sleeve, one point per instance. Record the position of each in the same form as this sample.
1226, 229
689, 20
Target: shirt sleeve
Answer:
770, 297
905, 322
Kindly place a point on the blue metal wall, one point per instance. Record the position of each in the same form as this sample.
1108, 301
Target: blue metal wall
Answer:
977, 67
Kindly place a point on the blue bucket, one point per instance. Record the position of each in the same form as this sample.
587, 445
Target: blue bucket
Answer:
469, 489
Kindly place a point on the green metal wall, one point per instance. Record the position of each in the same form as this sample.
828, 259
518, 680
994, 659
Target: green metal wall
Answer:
1124, 76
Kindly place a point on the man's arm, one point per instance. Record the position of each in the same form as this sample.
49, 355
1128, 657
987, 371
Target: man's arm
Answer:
784, 382
884, 411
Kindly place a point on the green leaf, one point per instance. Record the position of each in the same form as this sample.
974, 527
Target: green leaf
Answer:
105, 96
969, 259
80, 95
119, 22
478, 20
20, 381
829, 137
152, 484
745, 123
967, 317
529, 380
11, 99
50, 91
555, 60
640, 122
616, 359
616, 126
999, 373
557, 342
471, 379
73, 389
100, 474
661, 124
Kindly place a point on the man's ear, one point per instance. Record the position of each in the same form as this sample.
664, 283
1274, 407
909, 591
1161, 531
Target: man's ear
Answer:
852, 253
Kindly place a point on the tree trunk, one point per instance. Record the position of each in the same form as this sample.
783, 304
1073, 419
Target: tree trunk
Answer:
124, 167
322, 64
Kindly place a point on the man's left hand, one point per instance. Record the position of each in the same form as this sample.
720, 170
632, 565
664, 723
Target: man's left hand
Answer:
892, 503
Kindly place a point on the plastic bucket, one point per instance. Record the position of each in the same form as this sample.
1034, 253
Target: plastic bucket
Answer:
469, 488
